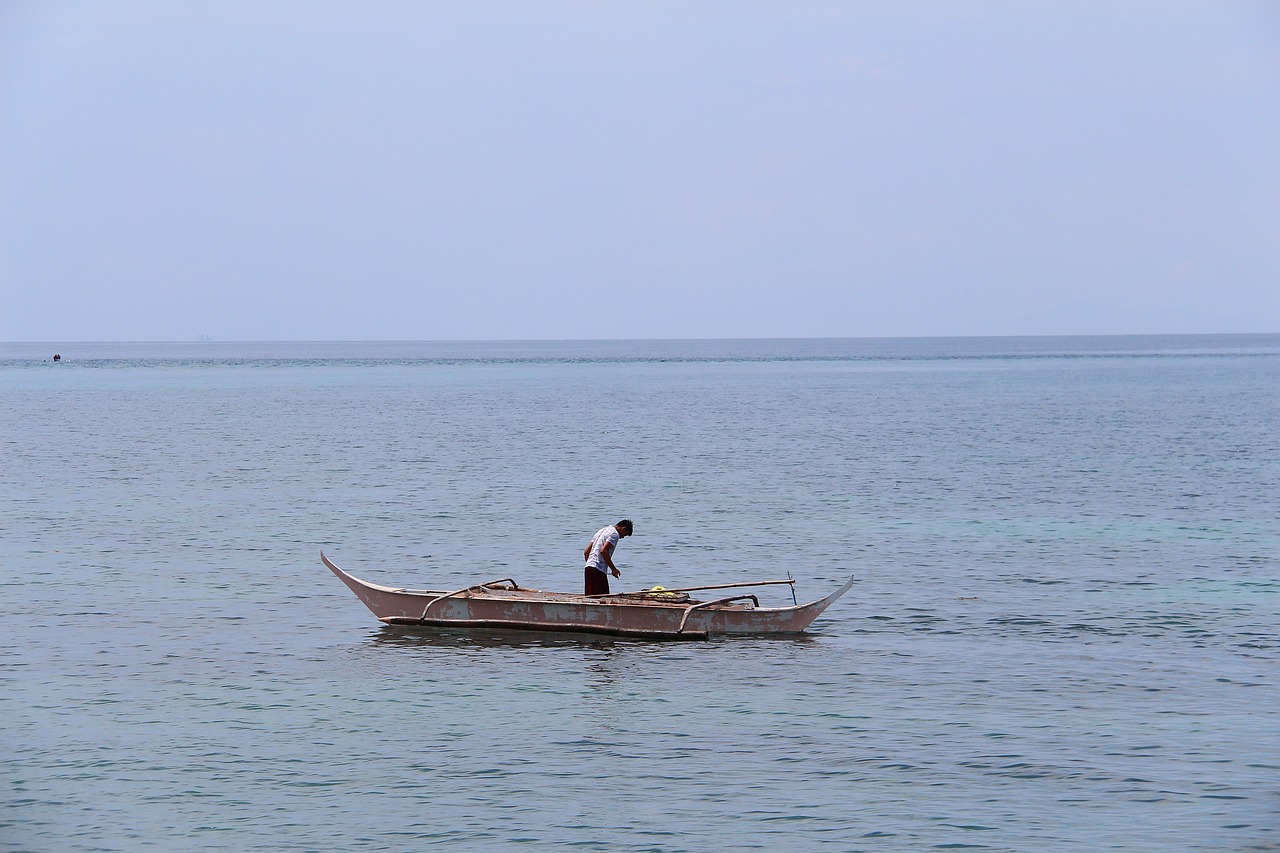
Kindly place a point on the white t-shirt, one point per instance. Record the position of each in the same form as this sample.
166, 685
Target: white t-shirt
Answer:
604, 536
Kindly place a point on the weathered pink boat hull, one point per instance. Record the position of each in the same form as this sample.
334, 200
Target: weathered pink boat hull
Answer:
562, 611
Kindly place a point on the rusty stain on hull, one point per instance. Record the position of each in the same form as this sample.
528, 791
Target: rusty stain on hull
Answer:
496, 606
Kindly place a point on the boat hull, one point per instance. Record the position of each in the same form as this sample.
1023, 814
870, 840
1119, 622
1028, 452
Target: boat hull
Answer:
521, 609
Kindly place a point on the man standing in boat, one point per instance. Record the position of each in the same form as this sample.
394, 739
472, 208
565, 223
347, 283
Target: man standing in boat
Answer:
599, 557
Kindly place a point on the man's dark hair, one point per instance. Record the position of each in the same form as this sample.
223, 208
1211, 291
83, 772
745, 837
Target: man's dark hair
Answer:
626, 522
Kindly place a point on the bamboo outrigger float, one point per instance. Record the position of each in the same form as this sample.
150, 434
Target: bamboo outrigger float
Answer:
662, 615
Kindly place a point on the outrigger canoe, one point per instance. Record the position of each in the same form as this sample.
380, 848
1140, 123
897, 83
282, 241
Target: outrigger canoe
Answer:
653, 614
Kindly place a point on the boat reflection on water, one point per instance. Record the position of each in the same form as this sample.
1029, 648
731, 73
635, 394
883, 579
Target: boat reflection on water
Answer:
405, 636
409, 637
608, 662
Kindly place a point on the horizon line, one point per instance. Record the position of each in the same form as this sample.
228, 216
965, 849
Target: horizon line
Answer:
208, 340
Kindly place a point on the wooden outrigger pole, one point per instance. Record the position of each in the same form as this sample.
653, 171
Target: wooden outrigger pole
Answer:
695, 588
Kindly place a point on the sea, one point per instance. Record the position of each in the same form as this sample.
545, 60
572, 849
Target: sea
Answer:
1062, 634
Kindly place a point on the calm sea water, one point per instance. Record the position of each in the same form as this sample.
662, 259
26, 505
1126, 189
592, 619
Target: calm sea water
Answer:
1063, 635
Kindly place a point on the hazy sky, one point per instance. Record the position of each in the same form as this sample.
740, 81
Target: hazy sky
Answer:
471, 170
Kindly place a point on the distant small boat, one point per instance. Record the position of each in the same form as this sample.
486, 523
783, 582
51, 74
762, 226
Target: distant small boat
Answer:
653, 614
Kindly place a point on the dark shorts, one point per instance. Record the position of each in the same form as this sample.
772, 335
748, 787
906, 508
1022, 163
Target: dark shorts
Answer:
596, 581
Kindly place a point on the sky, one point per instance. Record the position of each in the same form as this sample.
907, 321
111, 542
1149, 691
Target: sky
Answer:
273, 170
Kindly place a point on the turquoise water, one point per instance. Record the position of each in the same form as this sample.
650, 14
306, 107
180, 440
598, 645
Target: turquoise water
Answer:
1063, 635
